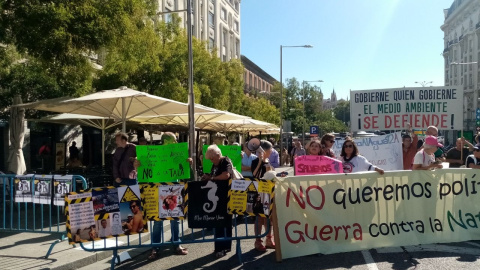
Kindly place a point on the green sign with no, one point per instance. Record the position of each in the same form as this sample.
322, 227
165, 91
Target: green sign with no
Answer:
233, 152
163, 163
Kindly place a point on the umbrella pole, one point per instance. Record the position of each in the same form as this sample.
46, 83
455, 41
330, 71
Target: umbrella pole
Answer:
103, 143
124, 124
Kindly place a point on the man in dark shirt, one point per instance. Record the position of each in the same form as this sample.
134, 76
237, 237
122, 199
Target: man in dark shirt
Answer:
456, 156
73, 150
123, 159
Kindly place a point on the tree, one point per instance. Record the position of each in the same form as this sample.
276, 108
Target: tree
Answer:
342, 111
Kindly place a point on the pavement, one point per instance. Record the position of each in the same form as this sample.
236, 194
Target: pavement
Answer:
27, 250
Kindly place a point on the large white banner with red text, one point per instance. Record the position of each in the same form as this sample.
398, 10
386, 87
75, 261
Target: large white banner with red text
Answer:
340, 213
391, 109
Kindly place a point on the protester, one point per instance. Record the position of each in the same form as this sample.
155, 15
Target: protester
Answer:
353, 161
439, 154
259, 167
297, 151
314, 148
425, 158
274, 156
123, 159
409, 148
168, 138
457, 155
327, 142
73, 150
285, 157
247, 158
222, 169
473, 160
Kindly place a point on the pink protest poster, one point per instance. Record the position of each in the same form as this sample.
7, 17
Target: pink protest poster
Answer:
309, 165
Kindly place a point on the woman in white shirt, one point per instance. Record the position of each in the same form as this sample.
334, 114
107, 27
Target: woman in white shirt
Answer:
425, 158
353, 161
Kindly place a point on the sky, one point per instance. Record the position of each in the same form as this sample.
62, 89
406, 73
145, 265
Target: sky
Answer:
357, 44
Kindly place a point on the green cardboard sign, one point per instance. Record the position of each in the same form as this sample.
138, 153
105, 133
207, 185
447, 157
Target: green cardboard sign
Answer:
233, 152
163, 163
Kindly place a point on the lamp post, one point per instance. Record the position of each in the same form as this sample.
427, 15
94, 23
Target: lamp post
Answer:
303, 101
424, 83
281, 92
475, 90
191, 96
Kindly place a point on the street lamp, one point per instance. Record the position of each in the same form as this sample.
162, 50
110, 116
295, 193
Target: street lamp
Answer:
191, 96
303, 101
424, 83
281, 92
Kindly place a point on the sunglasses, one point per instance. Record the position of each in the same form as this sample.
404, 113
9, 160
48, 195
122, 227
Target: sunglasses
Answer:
477, 150
332, 141
133, 206
349, 146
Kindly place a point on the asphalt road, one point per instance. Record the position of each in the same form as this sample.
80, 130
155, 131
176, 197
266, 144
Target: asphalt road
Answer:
442, 256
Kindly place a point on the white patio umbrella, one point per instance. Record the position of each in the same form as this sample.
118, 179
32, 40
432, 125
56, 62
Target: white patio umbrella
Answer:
16, 161
122, 104
239, 125
213, 115
102, 123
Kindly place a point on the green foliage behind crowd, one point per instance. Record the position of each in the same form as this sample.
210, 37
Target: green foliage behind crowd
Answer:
48, 49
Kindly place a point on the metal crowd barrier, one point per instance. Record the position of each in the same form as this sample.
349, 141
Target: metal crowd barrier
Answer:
32, 217
193, 236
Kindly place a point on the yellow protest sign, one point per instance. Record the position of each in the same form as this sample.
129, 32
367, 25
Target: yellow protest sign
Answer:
340, 213
251, 197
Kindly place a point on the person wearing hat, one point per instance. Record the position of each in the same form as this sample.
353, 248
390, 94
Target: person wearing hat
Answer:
473, 160
425, 158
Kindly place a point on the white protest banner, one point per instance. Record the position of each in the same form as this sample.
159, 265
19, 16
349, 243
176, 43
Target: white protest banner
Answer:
384, 151
340, 213
391, 109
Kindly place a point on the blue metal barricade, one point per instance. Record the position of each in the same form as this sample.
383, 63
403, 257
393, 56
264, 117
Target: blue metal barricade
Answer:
30, 216
185, 238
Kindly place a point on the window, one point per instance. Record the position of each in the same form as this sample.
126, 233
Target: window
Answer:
237, 5
223, 14
236, 26
211, 19
470, 80
211, 43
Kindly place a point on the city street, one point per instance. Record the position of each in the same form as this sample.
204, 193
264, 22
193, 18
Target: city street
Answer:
442, 256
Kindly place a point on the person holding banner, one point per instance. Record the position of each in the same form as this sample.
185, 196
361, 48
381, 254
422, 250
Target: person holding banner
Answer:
353, 161
327, 143
425, 158
409, 148
314, 148
222, 169
167, 139
259, 167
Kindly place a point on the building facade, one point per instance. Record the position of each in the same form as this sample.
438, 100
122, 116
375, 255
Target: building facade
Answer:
462, 53
330, 103
215, 21
256, 80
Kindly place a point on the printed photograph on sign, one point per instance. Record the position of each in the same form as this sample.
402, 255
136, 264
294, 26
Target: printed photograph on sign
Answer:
81, 218
171, 200
23, 191
62, 186
43, 192
131, 210
251, 197
105, 200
